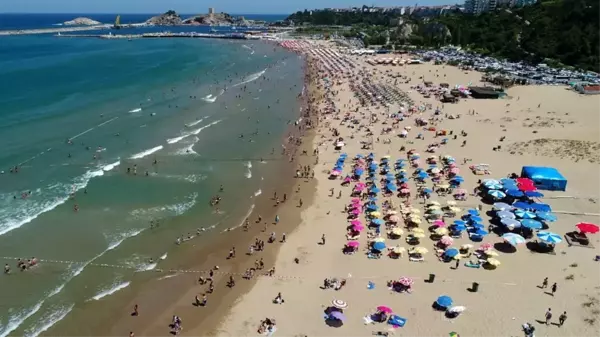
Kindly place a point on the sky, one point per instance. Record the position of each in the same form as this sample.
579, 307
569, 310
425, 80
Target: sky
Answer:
193, 6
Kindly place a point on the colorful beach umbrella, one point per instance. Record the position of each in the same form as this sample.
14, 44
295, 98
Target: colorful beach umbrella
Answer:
534, 194
501, 206
377, 222
522, 214
513, 239
406, 281
546, 216
493, 185
444, 301
353, 244
379, 246
473, 211
497, 194
531, 224
451, 252
508, 222
358, 228
515, 193
585, 227
339, 304
384, 309
549, 237
505, 214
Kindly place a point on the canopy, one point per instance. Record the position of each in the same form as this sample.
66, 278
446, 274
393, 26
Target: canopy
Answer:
354, 244
339, 304
545, 178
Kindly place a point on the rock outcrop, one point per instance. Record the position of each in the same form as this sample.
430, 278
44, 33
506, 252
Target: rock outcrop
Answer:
169, 18
218, 19
81, 22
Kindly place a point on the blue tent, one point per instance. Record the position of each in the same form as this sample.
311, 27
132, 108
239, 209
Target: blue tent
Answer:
545, 178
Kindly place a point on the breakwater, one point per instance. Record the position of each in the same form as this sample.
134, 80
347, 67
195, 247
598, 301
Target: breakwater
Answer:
165, 35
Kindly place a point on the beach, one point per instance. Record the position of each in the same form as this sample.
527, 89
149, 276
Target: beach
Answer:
541, 126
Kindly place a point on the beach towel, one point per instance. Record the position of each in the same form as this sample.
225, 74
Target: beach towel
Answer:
396, 320
472, 265
371, 285
367, 319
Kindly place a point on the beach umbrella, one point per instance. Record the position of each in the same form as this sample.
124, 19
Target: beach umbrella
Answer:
397, 231
446, 240
505, 181
379, 239
439, 223
415, 211
391, 212
454, 170
505, 214
435, 170
444, 301
451, 203
451, 252
493, 185
394, 218
415, 220
459, 222
457, 309
427, 191
459, 228
339, 304
379, 246
359, 171
546, 216
457, 179
419, 250
493, 262
460, 191
384, 309
403, 180
398, 250
534, 194
353, 244
549, 237
480, 232
501, 206
358, 228
355, 211
485, 246
391, 187
491, 252
441, 231
585, 227
418, 235
375, 214
508, 222
377, 222
375, 190
513, 239
335, 173
527, 188
524, 214
406, 281
497, 194
473, 211
531, 224
337, 315
372, 207
433, 207
356, 223
454, 209
514, 193
433, 203
475, 218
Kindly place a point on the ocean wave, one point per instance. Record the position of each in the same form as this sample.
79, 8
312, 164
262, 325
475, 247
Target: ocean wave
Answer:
176, 139
250, 210
49, 320
111, 166
40, 202
197, 131
251, 78
135, 110
166, 210
195, 122
167, 276
119, 238
111, 290
258, 192
248, 170
16, 320
146, 153
192, 178
213, 98
193, 132
163, 257
186, 151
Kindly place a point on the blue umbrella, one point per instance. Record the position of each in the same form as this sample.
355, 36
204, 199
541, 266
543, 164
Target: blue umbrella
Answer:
459, 227
545, 216
377, 222
477, 225
375, 190
534, 194
501, 206
505, 181
457, 180
422, 175
549, 237
444, 301
372, 199
473, 211
525, 214
539, 207
480, 232
359, 171
452, 252
497, 194
459, 222
373, 167
514, 193
505, 214
373, 207
475, 218
531, 224
403, 180
414, 157
493, 186
427, 191
508, 222
337, 315
379, 246
391, 187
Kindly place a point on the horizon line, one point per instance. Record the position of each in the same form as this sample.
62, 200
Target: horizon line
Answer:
119, 13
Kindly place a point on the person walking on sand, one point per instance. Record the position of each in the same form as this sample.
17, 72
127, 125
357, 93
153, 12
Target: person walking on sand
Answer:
545, 283
548, 316
135, 310
562, 318
277, 219
131, 334
553, 288
323, 239
283, 238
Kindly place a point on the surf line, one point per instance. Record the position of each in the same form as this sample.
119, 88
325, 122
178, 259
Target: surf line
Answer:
90, 129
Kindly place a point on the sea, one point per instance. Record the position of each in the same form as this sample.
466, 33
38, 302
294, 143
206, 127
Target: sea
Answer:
103, 138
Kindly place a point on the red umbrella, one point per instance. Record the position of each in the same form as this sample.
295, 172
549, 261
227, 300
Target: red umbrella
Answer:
525, 188
385, 309
585, 227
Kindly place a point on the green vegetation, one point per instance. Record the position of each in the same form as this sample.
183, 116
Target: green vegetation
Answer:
556, 32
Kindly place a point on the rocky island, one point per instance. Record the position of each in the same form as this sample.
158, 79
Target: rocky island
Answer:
217, 19
170, 18
81, 22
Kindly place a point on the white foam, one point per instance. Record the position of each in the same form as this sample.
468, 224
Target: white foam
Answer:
49, 320
195, 122
167, 210
176, 139
197, 131
135, 110
90, 129
16, 320
186, 151
109, 167
146, 152
113, 289
164, 256
252, 77
257, 193
167, 276
147, 267
248, 170
209, 98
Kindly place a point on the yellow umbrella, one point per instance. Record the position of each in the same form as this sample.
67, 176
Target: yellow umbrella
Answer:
417, 230
419, 250
397, 231
386, 157
491, 253
418, 235
433, 207
493, 262
402, 170
415, 211
466, 246
444, 186
458, 257
454, 209
441, 231
435, 170
380, 239
375, 214
416, 221
451, 203
433, 203
398, 250
391, 213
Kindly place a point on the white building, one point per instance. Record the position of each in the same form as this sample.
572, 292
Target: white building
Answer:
480, 6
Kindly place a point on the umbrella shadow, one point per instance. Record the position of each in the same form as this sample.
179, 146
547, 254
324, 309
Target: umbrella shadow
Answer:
505, 247
334, 323
536, 247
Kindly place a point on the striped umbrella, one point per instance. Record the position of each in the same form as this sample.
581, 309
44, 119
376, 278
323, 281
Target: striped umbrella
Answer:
513, 239
508, 222
505, 214
525, 214
549, 237
546, 216
497, 194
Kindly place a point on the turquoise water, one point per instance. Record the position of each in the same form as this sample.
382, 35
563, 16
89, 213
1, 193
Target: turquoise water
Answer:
77, 113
